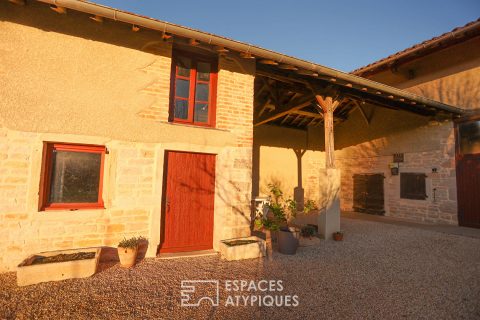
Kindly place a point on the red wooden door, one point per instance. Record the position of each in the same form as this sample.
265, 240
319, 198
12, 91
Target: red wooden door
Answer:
187, 218
468, 173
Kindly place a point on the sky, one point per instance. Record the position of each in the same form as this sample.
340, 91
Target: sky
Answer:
340, 34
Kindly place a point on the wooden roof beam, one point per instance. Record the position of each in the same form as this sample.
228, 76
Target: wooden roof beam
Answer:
284, 110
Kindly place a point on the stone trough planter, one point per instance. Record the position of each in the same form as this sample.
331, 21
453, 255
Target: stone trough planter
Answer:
58, 265
242, 248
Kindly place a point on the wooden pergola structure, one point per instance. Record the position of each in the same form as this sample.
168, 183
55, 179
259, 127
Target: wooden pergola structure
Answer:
288, 96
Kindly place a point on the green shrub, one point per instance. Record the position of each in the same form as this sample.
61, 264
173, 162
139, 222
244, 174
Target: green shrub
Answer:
308, 231
131, 243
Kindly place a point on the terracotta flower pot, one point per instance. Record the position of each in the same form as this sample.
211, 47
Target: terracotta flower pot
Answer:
337, 236
127, 256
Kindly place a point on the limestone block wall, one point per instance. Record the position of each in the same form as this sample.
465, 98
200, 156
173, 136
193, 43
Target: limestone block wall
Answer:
235, 92
26, 230
426, 147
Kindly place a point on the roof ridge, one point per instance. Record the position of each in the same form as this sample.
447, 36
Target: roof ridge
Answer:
418, 46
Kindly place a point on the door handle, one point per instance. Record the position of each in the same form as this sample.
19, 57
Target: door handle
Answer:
167, 203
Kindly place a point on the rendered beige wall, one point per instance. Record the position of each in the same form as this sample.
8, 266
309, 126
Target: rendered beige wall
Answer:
277, 162
64, 78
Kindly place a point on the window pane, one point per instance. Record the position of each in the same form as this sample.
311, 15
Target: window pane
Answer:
75, 177
184, 65
203, 71
201, 92
469, 137
181, 109
182, 88
201, 112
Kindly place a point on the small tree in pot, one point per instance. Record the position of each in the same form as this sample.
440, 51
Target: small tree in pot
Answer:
128, 250
279, 214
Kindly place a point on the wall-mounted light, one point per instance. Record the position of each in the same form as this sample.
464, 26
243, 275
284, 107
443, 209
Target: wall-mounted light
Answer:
394, 168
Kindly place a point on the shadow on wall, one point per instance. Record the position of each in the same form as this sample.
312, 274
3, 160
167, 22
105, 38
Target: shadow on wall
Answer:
281, 151
382, 124
40, 16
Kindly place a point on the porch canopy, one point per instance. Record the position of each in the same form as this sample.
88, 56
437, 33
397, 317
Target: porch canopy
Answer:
288, 91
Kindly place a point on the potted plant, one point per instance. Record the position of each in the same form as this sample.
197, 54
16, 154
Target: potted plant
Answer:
283, 213
127, 251
309, 236
338, 236
278, 217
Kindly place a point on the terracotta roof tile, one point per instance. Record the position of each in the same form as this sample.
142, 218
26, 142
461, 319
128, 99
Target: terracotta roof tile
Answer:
448, 39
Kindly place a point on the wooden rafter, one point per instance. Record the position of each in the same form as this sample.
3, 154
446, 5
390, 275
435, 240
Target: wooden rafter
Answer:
308, 114
303, 121
312, 122
285, 119
281, 111
298, 117
265, 106
364, 114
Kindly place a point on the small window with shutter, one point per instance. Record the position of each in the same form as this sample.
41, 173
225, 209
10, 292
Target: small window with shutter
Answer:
413, 186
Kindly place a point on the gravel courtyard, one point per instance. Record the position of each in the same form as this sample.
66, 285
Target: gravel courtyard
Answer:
380, 271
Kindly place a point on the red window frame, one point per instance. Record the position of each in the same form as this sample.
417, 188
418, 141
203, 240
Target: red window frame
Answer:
212, 93
45, 181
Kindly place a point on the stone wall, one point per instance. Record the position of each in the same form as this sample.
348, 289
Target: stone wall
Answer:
128, 192
235, 113
426, 147
111, 89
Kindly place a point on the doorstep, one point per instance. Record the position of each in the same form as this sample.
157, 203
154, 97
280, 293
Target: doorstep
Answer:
189, 254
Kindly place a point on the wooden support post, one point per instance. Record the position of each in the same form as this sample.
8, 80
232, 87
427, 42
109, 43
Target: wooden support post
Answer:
328, 105
298, 191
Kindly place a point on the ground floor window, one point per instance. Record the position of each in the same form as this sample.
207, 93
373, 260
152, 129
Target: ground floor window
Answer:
72, 176
413, 186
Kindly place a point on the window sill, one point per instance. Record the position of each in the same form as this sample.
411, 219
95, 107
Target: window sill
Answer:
67, 208
193, 126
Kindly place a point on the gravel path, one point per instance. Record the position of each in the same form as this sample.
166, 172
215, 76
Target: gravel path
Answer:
380, 271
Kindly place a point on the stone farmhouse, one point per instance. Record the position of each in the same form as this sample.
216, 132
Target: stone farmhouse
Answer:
114, 124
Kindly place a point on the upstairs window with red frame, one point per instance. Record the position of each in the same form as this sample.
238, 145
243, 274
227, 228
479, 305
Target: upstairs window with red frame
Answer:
72, 176
193, 90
